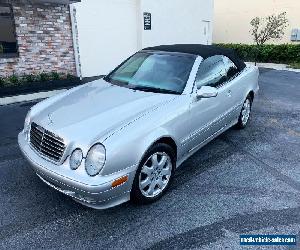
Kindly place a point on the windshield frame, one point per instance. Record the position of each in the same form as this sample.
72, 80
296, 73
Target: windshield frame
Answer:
163, 91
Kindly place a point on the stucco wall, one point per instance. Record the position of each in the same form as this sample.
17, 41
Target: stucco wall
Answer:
232, 18
45, 41
177, 21
111, 30
107, 31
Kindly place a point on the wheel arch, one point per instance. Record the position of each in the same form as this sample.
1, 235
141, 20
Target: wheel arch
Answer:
136, 195
169, 141
251, 94
163, 138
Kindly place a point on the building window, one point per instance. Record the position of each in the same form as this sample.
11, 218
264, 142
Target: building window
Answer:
8, 42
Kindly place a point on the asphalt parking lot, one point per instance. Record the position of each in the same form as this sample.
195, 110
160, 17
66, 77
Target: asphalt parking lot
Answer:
244, 182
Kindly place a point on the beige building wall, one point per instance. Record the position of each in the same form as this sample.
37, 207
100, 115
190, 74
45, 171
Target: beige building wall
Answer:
232, 18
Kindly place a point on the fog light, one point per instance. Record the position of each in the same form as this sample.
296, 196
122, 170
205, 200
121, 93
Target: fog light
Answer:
75, 159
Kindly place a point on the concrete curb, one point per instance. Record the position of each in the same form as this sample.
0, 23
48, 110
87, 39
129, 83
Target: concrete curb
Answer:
274, 66
29, 97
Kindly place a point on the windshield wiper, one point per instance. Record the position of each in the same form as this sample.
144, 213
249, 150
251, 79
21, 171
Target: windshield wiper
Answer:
107, 78
116, 82
155, 90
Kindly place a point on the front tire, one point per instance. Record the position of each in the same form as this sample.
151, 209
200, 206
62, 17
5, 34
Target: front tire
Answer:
154, 174
245, 113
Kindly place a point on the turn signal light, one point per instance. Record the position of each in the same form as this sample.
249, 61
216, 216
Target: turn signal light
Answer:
119, 181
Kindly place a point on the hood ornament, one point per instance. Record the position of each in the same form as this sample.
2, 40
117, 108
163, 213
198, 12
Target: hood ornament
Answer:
50, 120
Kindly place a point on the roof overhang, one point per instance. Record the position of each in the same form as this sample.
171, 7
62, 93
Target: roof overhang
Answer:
39, 1
56, 1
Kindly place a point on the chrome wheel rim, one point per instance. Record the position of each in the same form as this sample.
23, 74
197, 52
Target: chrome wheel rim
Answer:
155, 174
246, 111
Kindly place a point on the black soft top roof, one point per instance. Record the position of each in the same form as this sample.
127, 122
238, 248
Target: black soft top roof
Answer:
204, 51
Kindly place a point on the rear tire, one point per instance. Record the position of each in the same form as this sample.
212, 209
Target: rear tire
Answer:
245, 113
154, 174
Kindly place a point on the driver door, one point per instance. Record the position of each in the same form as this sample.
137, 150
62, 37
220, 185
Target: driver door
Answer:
206, 114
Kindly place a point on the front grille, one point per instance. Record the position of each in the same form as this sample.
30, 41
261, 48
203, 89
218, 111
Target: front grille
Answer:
46, 142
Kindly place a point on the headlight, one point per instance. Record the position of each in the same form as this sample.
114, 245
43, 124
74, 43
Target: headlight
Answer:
75, 159
95, 159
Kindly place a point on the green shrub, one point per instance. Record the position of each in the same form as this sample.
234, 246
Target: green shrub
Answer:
29, 78
55, 76
70, 77
43, 77
2, 81
283, 53
13, 80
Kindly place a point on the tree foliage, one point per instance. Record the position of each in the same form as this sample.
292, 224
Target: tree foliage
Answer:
268, 28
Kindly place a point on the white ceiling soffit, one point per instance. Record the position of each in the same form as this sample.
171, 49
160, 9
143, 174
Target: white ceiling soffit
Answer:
55, 1
38, 1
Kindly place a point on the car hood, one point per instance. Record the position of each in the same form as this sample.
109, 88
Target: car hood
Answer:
95, 110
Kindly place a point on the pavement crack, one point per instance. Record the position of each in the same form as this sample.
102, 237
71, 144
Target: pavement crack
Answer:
240, 224
273, 171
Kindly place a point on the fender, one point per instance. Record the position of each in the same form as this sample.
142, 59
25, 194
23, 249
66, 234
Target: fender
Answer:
130, 151
152, 138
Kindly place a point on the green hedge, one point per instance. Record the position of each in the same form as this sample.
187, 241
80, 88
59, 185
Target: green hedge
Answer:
15, 80
283, 53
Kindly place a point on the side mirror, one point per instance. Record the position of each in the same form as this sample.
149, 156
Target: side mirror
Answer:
207, 92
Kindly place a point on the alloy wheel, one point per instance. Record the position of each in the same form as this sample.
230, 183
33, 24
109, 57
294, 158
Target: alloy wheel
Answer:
155, 174
246, 110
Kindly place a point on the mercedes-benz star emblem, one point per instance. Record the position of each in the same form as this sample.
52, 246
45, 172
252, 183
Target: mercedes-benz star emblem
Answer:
50, 119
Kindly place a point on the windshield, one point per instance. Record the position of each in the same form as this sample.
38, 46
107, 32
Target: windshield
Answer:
154, 72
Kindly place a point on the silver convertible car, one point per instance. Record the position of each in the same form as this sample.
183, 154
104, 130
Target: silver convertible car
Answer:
122, 137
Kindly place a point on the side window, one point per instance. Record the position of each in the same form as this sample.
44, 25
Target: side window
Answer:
211, 72
215, 71
230, 68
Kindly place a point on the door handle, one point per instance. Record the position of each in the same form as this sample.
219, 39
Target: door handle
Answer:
229, 93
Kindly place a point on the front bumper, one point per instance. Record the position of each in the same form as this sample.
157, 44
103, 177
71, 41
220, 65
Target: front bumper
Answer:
96, 192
